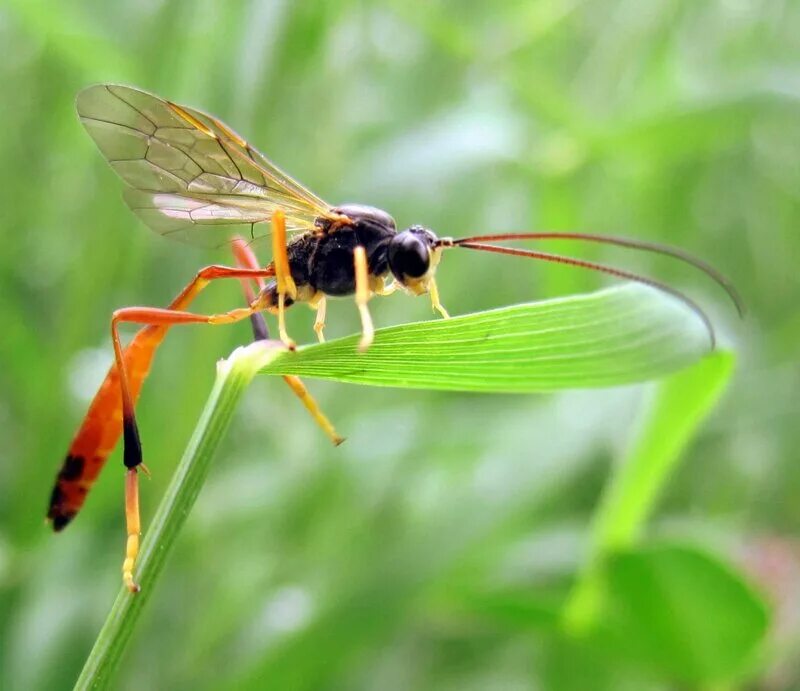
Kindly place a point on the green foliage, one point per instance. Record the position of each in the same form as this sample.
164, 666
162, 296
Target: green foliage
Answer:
609, 338
513, 348
233, 376
681, 403
683, 612
674, 608
438, 547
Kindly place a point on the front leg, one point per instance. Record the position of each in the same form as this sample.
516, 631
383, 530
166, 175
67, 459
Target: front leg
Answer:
438, 306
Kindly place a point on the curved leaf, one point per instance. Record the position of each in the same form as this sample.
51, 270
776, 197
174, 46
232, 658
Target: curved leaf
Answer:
616, 336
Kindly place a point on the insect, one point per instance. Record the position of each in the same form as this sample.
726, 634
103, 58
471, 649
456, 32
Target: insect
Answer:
190, 177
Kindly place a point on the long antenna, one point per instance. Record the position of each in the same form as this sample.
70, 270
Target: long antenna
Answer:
654, 247
594, 266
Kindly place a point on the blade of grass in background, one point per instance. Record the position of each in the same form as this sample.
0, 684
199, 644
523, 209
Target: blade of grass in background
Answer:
680, 611
681, 403
653, 601
683, 613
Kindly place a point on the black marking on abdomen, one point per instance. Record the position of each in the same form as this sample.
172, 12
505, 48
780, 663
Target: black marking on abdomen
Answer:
72, 468
56, 512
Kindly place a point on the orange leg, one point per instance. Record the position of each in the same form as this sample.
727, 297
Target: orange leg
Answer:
111, 412
103, 424
132, 447
246, 258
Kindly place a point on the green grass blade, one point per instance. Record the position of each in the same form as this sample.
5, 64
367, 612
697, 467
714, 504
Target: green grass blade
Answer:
233, 376
679, 406
682, 402
616, 336
684, 613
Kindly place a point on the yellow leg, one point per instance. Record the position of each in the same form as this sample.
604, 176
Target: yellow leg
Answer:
231, 316
246, 259
133, 526
434, 291
283, 276
386, 290
288, 342
311, 405
362, 297
319, 322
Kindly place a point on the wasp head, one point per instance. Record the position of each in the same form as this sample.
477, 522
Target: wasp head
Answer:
413, 256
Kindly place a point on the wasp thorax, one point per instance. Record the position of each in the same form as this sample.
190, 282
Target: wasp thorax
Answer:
364, 215
409, 254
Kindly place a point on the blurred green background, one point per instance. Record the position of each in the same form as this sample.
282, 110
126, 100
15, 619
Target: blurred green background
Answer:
434, 549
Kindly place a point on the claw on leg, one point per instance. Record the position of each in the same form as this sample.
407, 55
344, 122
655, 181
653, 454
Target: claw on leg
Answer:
387, 290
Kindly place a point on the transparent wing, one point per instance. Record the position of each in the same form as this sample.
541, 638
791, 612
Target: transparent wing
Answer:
190, 177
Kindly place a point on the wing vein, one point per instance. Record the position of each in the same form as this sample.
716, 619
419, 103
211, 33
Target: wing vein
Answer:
181, 184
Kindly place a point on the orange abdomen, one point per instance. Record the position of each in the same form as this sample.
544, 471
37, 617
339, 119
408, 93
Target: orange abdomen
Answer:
101, 429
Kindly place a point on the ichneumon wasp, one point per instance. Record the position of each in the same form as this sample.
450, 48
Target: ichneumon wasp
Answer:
190, 177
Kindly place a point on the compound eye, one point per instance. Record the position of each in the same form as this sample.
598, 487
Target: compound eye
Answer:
409, 256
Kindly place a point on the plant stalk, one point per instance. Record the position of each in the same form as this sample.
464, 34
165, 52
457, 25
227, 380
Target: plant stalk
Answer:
233, 376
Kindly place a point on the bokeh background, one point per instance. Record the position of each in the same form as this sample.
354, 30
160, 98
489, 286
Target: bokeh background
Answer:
364, 567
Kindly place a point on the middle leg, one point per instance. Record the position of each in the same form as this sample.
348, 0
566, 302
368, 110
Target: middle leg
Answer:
246, 259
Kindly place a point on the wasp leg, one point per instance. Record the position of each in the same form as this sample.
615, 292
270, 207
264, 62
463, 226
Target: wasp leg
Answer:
319, 322
114, 402
362, 298
246, 259
434, 291
312, 407
283, 276
132, 455
385, 290
100, 430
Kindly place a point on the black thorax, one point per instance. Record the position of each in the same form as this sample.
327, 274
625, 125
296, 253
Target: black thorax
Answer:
325, 261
